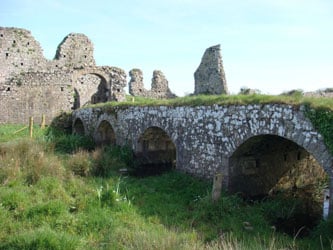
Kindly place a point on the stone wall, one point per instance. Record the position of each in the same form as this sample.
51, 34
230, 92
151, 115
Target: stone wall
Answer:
159, 85
31, 85
210, 78
208, 138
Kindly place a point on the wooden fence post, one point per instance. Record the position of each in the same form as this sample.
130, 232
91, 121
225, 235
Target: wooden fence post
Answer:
42, 124
31, 126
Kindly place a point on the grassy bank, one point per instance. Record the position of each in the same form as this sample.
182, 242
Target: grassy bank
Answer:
58, 192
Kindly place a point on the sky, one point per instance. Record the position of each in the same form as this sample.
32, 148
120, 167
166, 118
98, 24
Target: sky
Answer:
269, 45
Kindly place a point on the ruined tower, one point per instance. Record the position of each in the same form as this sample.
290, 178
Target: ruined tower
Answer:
159, 85
210, 78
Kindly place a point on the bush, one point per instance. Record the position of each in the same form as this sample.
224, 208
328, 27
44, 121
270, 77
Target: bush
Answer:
68, 143
109, 159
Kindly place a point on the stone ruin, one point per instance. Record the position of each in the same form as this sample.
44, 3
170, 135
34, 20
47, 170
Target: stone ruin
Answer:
210, 78
159, 85
31, 85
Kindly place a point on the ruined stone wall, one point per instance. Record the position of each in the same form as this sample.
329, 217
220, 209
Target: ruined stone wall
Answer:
209, 78
31, 85
159, 85
207, 137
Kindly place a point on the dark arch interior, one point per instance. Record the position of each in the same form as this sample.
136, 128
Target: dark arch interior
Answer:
156, 153
105, 134
78, 127
269, 166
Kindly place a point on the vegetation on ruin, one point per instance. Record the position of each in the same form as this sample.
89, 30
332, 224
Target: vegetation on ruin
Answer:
59, 192
295, 99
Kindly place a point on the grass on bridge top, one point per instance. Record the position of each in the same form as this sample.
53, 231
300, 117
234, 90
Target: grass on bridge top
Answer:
206, 100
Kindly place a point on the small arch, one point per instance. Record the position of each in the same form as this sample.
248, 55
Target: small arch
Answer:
1, 35
61, 89
14, 41
155, 152
8, 89
28, 43
78, 127
105, 134
21, 63
7, 54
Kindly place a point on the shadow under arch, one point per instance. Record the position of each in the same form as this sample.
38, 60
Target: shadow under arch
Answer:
260, 163
155, 152
105, 134
270, 166
78, 127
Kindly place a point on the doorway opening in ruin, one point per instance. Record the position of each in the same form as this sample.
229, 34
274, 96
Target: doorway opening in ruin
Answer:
155, 153
90, 88
275, 169
105, 134
78, 128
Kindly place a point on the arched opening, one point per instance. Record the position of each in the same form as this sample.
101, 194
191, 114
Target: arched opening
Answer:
105, 134
91, 88
155, 153
78, 127
271, 166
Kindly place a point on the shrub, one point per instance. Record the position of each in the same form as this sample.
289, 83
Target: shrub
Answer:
80, 163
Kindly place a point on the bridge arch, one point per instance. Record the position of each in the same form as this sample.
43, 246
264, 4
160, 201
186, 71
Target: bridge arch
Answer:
261, 161
105, 134
78, 127
155, 151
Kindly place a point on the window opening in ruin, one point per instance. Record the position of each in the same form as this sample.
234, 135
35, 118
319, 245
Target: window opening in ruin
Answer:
28, 43
21, 64
155, 153
118, 90
14, 41
286, 171
7, 54
8, 89
62, 88
85, 56
1, 35
64, 55
105, 134
56, 65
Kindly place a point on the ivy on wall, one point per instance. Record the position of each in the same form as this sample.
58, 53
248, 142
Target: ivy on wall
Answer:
322, 120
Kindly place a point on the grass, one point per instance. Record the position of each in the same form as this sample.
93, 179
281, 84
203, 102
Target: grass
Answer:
76, 199
296, 99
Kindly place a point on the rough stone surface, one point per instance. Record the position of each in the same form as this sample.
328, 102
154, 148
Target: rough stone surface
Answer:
31, 85
208, 138
159, 85
210, 78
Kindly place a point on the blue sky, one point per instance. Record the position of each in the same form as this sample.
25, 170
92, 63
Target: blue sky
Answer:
270, 45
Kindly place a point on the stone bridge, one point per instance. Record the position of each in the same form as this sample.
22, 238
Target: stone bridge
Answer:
251, 145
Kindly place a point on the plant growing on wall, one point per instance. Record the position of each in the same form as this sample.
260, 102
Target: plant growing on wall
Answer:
322, 120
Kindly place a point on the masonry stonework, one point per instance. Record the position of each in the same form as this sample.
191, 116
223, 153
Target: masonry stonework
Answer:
223, 139
210, 78
31, 85
159, 85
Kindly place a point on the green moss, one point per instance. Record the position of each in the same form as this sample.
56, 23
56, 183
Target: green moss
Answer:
322, 120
